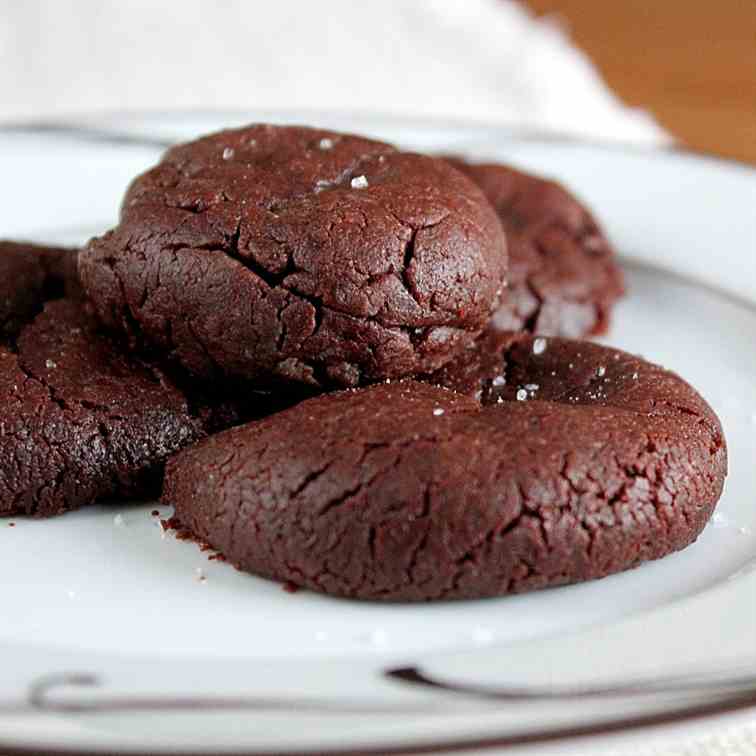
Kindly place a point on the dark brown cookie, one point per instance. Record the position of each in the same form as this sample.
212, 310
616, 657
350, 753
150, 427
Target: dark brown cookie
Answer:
270, 253
581, 461
81, 420
31, 274
563, 274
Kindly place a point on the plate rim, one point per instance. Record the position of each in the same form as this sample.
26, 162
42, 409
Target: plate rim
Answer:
99, 125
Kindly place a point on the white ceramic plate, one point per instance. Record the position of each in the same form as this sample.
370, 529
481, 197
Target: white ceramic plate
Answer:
108, 640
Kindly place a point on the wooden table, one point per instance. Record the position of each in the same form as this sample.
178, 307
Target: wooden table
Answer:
692, 63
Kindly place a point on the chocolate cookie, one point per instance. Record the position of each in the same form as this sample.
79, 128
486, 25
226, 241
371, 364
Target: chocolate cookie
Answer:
80, 420
270, 253
563, 274
31, 274
580, 462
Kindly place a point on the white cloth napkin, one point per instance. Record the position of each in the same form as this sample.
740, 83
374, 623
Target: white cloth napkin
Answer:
482, 60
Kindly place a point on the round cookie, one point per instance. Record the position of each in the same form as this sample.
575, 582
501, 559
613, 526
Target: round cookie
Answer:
269, 253
31, 274
563, 274
581, 461
81, 420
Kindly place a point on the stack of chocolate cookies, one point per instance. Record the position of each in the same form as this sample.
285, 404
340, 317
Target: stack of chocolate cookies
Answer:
353, 369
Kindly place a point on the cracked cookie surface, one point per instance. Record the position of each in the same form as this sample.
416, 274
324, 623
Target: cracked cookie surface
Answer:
579, 461
31, 274
563, 274
81, 420
275, 254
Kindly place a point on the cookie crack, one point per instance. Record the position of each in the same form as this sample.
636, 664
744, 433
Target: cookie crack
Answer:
51, 393
414, 559
408, 258
500, 530
355, 489
310, 478
129, 322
